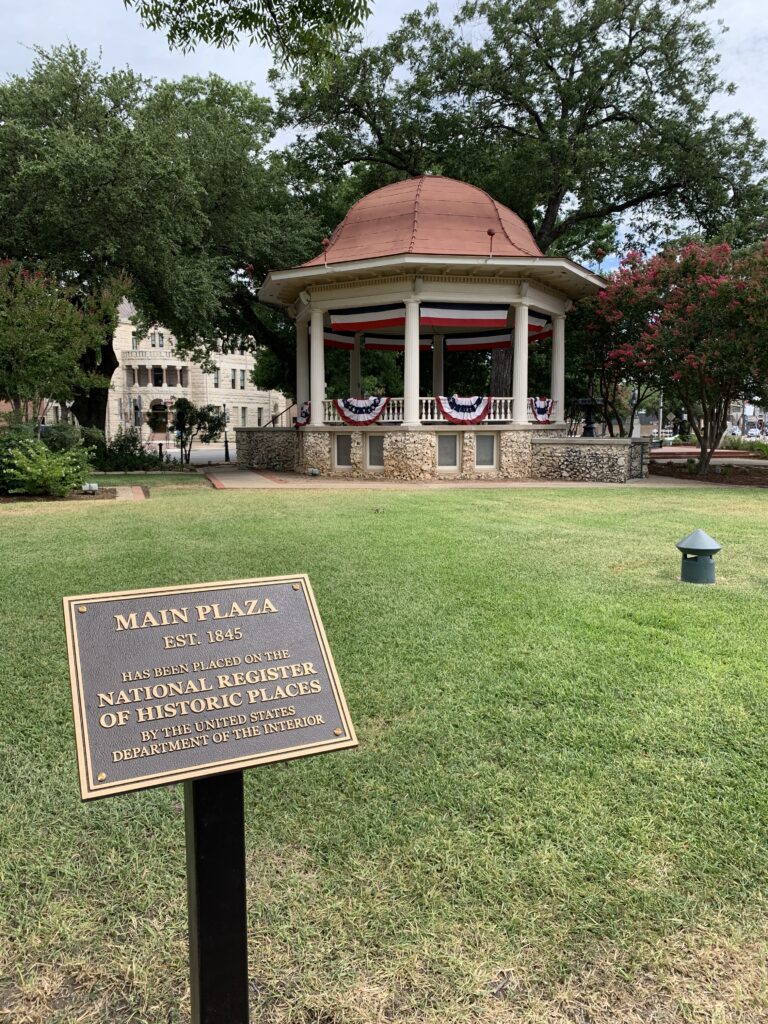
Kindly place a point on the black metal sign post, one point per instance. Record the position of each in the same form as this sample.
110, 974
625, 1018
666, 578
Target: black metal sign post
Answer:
218, 941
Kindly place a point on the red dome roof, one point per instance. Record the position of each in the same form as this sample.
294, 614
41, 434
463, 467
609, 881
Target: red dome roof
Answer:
428, 216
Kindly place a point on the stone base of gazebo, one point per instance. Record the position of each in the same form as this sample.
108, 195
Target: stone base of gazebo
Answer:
539, 452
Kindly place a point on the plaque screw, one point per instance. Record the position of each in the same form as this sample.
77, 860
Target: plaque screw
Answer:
338, 732
101, 776
82, 608
297, 586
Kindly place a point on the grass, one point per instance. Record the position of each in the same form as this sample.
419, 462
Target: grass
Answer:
557, 810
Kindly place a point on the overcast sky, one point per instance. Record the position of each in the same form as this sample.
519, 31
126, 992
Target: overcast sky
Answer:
106, 26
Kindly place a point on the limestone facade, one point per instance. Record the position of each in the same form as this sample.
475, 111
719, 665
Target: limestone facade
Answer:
605, 460
539, 453
152, 375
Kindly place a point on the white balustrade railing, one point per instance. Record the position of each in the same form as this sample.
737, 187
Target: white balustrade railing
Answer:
429, 412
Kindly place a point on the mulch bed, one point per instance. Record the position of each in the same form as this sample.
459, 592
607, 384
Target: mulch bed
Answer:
745, 476
103, 494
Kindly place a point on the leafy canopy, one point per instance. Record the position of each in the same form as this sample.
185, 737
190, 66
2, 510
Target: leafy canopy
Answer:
169, 184
291, 28
45, 329
580, 117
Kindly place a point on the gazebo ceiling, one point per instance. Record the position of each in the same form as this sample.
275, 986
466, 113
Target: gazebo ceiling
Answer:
430, 226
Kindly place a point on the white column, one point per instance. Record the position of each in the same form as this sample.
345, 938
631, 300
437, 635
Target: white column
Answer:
557, 383
411, 364
302, 361
355, 380
438, 363
317, 368
520, 366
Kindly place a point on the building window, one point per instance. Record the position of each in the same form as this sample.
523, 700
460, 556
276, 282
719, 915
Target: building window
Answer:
259, 416
134, 341
157, 376
234, 378
447, 451
242, 380
376, 451
485, 451
216, 377
160, 339
243, 416
153, 339
344, 451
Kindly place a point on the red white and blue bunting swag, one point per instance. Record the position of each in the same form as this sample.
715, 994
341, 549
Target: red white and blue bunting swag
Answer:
335, 340
464, 410
464, 314
367, 318
360, 412
542, 409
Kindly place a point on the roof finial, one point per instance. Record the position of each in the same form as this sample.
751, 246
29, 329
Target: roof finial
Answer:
325, 244
491, 233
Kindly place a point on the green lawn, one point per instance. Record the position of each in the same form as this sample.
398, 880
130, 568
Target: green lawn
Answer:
557, 812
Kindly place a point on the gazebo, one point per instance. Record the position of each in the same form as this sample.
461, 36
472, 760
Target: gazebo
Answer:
430, 264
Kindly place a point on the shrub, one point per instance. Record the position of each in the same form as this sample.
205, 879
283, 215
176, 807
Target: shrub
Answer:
60, 437
126, 451
95, 441
29, 467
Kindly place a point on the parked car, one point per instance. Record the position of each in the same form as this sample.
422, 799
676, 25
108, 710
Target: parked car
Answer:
753, 432
733, 431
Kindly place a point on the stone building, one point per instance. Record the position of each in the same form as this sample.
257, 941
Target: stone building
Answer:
152, 375
432, 265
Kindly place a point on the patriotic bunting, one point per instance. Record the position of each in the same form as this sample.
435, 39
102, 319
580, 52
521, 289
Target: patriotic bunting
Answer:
478, 340
464, 314
539, 326
334, 340
365, 318
303, 417
541, 409
385, 343
464, 410
360, 412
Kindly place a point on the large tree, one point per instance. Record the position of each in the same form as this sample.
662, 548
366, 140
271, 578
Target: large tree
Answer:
581, 117
45, 330
170, 185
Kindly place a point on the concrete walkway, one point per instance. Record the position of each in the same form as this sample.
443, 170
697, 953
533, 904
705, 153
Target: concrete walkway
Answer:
232, 479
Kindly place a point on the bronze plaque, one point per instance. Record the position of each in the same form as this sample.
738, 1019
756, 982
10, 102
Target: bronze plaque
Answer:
173, 683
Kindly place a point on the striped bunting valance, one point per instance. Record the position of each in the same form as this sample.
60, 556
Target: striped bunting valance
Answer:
385, 343
365, 318
478, 340
464, 314
335, 340
539, 326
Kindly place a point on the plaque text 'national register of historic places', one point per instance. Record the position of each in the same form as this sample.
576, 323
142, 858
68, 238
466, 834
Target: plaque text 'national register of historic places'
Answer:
175, 683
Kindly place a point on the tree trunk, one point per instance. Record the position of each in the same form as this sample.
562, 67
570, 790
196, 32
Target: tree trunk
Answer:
90, 407
501, 372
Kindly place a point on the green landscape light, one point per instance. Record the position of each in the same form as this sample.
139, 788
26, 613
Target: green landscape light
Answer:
698, 549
